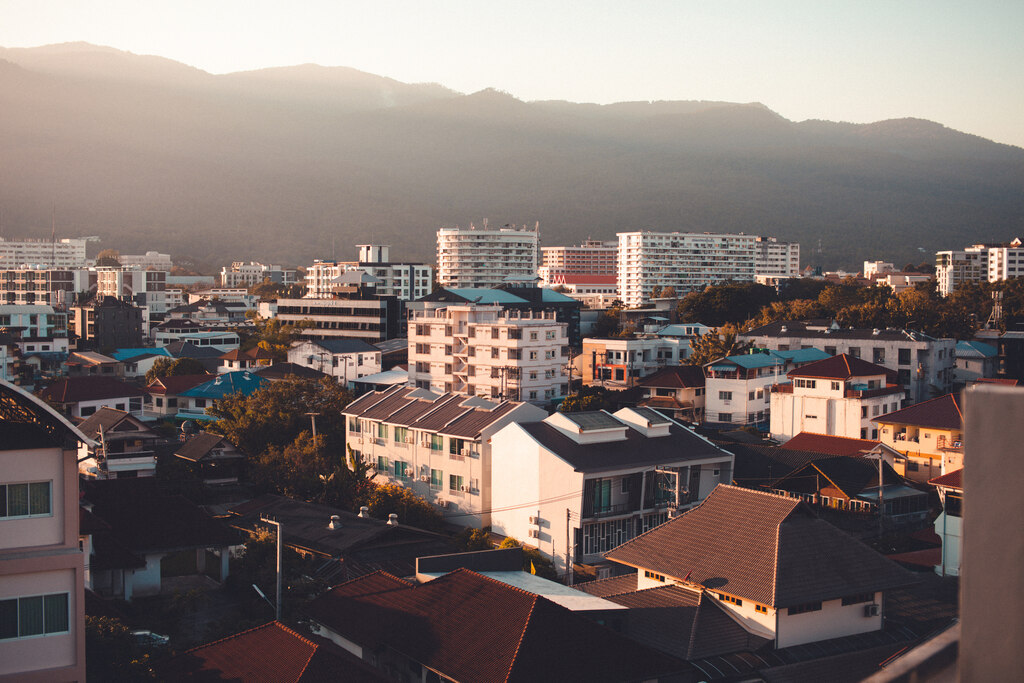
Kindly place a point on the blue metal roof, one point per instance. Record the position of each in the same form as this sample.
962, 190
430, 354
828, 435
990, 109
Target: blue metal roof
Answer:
227, 384
125, 354
551, 296
483, 295
803, 355
975, 349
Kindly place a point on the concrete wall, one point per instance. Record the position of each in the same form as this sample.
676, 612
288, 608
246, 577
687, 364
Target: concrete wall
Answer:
43, 464
831, 621
49, 656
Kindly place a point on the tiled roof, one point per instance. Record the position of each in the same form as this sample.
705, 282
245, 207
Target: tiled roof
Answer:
272, 653
763, 547
471, 628
108, 419
953, 480
604, 588
841, 367
229, 383
199, 446
77, 389
829, 445
676, 377
176, 384
679, 445
938, 413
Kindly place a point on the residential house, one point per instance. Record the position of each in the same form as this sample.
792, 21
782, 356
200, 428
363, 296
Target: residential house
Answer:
676, 391
930, 434
975, 360
596, 479
213, 458
85, 363
738, 388
779, 570
949, 523
221, 338
277, 372
837, 396
192, 403
484, 351
208, 356
251, 359
124, 446
162, 393
923, 364
466, 627
438, 445
42, 602
621, 362
80, 397
345, 360
137, 533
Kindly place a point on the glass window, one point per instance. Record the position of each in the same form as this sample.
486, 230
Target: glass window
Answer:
436, 442
436, 479
33, 616
25, 500
454, 482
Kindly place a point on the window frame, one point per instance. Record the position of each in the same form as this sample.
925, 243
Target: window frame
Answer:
5, 500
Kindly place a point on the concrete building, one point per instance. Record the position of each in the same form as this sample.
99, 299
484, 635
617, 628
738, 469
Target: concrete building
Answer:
150, 260
775, 259
42, 573
923, 364
488, 352
344, 359
949, 523
33, 321
684, 261
929, 434
956, 267
355, 311
597, 479
143, 287
437, 445
1006, 261
407, 281
677, 391
63, 253
242, 274
837, 396
619, 363
975, 360
485, 258
593, 261
52, 287
106, 323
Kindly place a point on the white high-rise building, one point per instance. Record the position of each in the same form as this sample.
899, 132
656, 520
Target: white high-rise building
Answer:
63, 253
1006, 261
684, 261
407, 281
485, 258
956, 267
242, 274
151, 259
776, 259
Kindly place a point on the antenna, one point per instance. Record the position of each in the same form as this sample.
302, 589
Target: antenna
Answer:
53, 235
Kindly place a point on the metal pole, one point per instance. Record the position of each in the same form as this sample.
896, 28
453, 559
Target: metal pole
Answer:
280, 568
312, 417
568, 552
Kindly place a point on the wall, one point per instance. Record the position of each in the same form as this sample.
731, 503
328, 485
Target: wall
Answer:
22, 655
43, 464
831, 621
147, 581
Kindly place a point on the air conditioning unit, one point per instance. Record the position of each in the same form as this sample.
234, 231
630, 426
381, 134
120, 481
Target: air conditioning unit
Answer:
871, 610
534, 533
443, 504
534, 520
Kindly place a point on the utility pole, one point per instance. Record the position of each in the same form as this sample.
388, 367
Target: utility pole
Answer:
280, 545
881, 498
568, 548
312, 417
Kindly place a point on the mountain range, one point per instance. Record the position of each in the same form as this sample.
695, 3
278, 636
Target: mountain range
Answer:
289, 164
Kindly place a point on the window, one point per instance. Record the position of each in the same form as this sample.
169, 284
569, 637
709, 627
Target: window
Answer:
401, 435
805, 607
382, 463
724, 395
28, 499
725, 417
533, 336
760, 608
533, 355
353, 425
455, 482
401, 469
382, 430
456, 446
878, 353
436, 479
904, 356
730, 598
855, 351
836, 386
200, 403
436, 442
34, 616
533, 395
653, 576
533, 374
750, 396
859, 598
494, 352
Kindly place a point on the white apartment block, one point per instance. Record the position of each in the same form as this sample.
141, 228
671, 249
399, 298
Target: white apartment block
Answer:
146, 287
684, 261
343, 359
242, 274
407, 281
43, 286
34, 321
591, 259
64, 253
956, 267
619, 363
485, 258
1006, 261
151, 259
437, 445
776, 259
872, 268
487, 352
837, 396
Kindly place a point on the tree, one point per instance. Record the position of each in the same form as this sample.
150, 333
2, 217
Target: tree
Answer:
112, 653
730, 302
269, 289
607, 323
385, 499
109, 258
272, 335
669, 293
469, 540
170, 367
533, 560
590, 397
712, 346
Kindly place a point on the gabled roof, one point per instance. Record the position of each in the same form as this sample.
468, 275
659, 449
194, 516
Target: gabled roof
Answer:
111, 419
286, 370
830, 445
199, 447
852, 476
471, 628
183, 349
342, 345
953, 480
938, 413
484, 295
26, 421
763, 547
224, 385
89, 388
975, 349
255, 353
842, 367
176, 384
272, 652
675, 377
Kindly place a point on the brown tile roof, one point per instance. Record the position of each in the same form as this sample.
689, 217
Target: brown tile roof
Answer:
272, 653
841, 367
199, 446
471, 628
829, 445
762, 547
953, 480
77, 389
176, 384
417, 409
938, 413
677, 377
602, 588
109, 419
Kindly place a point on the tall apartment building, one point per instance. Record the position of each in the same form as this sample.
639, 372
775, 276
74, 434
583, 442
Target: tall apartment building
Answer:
488, 352
956, 267
242, 274
1006, 261
60, 254
684, 261
355, 311
55, 287
592, 258
485, 258
776, 259
42, 572
151, 259
407, 281
143, 287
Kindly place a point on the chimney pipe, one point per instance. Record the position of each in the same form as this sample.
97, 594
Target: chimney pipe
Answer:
335, 522
364, 512
392, 519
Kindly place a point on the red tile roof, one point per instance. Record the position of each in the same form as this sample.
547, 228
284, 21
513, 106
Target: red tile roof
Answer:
938, 413
77, 389
829, 445
953, 480
841, 367
763, 547
471, 628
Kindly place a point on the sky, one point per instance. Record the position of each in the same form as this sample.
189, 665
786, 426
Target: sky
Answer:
957, 63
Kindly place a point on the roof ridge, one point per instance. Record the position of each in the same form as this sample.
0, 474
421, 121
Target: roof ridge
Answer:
250, 630
409, 584
522, 636
500, 584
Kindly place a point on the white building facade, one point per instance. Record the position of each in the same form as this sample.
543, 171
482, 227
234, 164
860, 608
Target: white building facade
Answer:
151, 259
485, 258
776, 259
242, 274
344, 359
64, 253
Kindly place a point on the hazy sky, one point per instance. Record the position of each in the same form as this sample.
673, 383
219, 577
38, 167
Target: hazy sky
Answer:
958, 63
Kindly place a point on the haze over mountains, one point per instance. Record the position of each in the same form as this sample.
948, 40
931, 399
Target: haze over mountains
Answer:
281, 164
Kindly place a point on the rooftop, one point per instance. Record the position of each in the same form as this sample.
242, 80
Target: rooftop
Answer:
943, 412
89, 388
675, 377
841, 367
822, 330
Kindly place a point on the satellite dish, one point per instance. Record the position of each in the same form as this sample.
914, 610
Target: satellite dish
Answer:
189, 427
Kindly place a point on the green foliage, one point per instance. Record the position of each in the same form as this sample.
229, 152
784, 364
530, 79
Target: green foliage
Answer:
385, 499
534, 561
607, 323
729, 302
469, 540
169, 367
723, 342
276, 290
272, 335
111, 652
592, 397
258, 565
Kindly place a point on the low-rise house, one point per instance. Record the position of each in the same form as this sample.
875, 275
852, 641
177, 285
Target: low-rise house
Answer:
438, 445
277, 372
738, 388
466, 627
82, 396
344, 359
596, 479
163, 392
124, 446
676, 391
975, 360
213, 458
949, 523
208, 356
929, 434
837, 396
779, 571
221, 338
251, 359
621, 362
192, 403
89, 363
